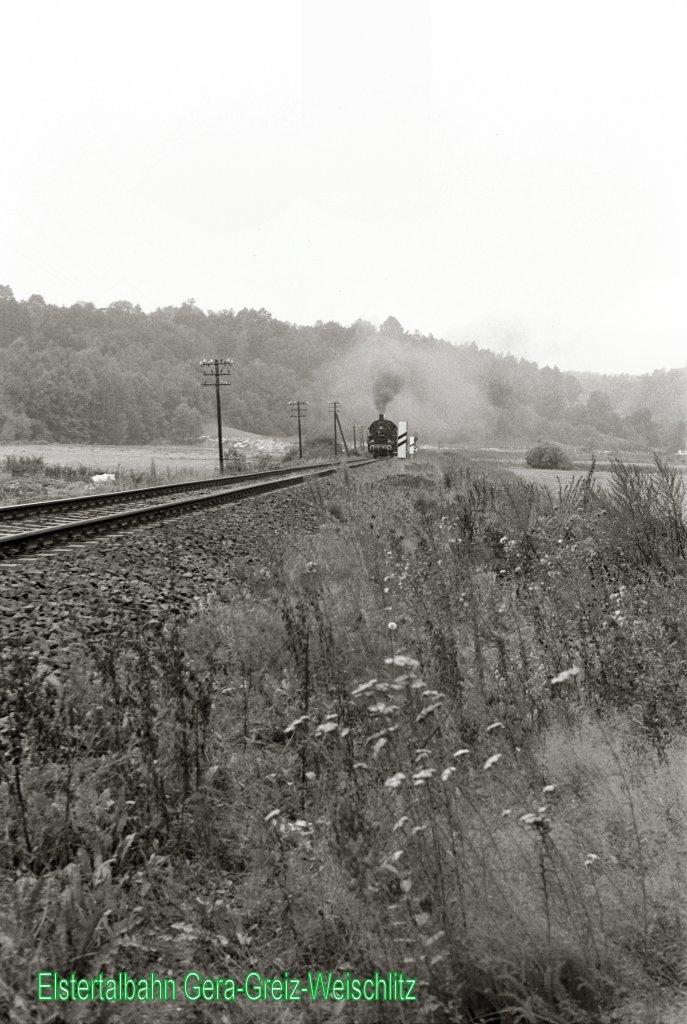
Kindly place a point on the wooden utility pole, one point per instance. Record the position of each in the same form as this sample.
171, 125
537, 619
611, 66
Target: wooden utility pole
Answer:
216, 369
337, 426
298, 412
334, 406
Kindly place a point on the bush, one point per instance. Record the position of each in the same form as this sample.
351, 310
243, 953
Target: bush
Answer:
320, 446
34, 465
235, 461
24, 465
548, 456
68, 473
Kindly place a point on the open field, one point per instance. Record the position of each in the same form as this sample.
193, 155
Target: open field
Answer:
110, 458
113, 458
581, 460
33, 472
419, 718
553, 479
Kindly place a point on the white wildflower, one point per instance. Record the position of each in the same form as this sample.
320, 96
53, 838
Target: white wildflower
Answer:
402, 661
568, 673
296, 722
363, 686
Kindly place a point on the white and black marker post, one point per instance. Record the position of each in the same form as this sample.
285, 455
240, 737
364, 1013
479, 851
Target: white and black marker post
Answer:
402, 450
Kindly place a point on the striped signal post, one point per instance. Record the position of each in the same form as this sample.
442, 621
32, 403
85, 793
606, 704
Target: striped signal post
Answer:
216, 369
298, 412
402, 441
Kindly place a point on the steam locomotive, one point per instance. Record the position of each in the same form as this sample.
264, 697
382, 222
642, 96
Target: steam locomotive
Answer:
382, 438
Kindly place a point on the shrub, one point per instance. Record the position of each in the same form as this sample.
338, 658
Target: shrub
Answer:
68, 473
645, 517
548, 456
319, 446
235, 461
24, 465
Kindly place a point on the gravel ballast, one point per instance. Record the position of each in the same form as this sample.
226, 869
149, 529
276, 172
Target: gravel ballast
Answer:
67, 599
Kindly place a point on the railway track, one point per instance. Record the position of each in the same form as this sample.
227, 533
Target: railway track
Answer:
34, 526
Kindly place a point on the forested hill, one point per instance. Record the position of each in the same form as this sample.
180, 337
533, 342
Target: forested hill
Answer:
122, 376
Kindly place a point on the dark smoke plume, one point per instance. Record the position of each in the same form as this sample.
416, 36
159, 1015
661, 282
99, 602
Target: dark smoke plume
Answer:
385, 388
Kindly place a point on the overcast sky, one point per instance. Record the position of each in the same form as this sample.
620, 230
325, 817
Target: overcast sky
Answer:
513, 173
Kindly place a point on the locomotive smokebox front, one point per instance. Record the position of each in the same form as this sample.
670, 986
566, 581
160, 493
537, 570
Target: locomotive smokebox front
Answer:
382, 438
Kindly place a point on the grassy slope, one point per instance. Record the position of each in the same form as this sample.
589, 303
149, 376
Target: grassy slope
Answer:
445, 735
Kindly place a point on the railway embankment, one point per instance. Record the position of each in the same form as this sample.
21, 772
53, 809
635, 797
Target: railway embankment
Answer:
415, 719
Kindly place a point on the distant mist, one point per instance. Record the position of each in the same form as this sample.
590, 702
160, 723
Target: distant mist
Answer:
408, 380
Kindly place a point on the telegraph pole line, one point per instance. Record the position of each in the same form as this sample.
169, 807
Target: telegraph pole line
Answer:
215, 370
298, 412
355, 442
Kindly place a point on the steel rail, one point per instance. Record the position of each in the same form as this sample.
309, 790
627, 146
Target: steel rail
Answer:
136, 493
16, 545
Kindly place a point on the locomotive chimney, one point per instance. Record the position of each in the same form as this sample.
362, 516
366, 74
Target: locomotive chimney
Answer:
381, 415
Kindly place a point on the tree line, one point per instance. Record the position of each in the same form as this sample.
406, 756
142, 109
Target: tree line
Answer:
118, 375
